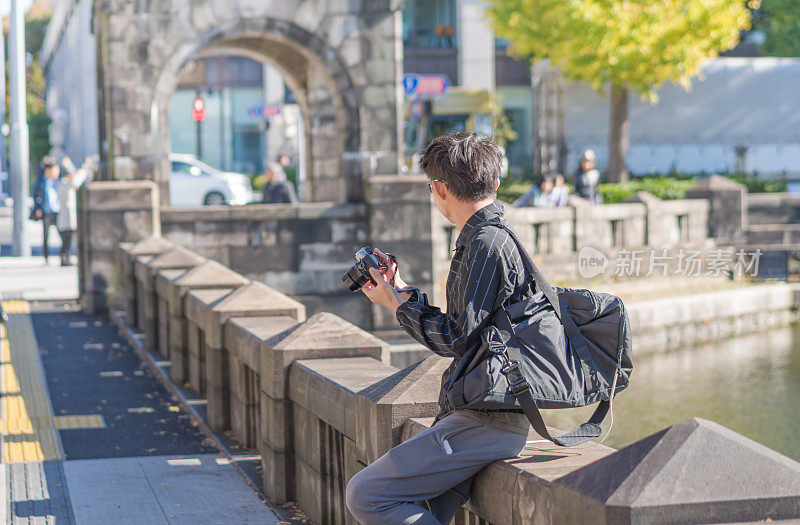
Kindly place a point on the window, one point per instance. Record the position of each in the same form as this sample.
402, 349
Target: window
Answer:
443, 124
501, 43
181, 167
430, 23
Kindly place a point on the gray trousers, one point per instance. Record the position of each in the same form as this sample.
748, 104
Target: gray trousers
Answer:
426, 479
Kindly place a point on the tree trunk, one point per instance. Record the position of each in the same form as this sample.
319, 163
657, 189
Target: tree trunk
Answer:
619, 137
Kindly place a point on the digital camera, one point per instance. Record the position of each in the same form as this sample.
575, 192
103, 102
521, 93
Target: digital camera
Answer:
358, 274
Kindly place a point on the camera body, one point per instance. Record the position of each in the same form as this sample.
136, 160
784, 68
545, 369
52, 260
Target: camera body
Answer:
358, 274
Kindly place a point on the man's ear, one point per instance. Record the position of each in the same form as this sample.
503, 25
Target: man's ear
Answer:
440, 188
497, 184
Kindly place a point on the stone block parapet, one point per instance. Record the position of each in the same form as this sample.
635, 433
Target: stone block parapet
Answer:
110, 213
171, 289
126, 258
320, 401
301, 250
207, 312
145, 269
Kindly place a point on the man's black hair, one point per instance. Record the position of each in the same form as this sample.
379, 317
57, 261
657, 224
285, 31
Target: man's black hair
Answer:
468, 164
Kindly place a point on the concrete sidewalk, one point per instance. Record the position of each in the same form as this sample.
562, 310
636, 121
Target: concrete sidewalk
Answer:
28, 278
88, 435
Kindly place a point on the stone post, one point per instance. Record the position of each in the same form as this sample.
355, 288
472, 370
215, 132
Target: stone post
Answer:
244, 337
323, 336
727, 216
145, 270
324, 394
400, 222
109, 213
126, 254
208, 310
383, 408
693, 472
171, 292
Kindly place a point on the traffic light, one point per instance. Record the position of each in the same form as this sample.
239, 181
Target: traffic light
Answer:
198, 110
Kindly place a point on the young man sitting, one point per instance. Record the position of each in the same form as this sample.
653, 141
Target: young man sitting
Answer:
427, 478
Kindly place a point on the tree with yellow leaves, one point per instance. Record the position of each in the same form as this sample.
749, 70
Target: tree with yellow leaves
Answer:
621, 45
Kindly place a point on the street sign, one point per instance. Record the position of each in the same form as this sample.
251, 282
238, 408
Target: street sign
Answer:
198, 110
425, 85
263, 111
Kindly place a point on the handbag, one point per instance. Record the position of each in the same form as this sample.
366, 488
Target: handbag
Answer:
556, 348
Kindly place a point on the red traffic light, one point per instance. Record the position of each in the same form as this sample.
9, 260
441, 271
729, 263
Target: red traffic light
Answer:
198, 110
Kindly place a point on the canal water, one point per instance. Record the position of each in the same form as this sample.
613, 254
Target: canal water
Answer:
750, 384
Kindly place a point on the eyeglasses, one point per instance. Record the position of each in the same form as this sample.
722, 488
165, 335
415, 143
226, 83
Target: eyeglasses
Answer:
430, 184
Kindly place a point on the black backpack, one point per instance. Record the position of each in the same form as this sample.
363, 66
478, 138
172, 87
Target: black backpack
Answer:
556, 348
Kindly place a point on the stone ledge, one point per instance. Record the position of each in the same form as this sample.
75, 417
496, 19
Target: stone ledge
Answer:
244, 336
265, 212
649, 315
327, 388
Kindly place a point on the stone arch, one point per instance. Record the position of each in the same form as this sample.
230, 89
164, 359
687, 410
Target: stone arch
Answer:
342, 64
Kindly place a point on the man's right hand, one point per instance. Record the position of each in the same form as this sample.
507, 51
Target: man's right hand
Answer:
38, 214
392, 272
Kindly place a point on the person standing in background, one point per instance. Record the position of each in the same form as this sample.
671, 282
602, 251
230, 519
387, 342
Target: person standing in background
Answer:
587, 177
528, 198
45, 201
560, 192
277, 189
284, 160
546, 195
67, 221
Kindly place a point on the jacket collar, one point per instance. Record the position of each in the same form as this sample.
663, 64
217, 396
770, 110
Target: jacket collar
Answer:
489, 211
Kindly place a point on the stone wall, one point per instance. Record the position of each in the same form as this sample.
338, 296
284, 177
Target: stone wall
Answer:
319, 401
301, 250
773, 220
773, 208
674, 322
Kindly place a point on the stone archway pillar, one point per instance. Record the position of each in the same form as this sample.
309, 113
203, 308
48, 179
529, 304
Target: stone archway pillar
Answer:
343, 58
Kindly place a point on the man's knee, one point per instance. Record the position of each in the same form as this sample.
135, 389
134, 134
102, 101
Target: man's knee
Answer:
358, 495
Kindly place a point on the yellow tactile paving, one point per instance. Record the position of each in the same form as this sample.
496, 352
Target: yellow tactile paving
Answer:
26, 419
83, 421
5, 349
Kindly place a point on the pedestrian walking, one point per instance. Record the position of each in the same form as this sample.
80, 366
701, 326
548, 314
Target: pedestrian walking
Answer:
277, 189
426, 479
45, 200
67, 221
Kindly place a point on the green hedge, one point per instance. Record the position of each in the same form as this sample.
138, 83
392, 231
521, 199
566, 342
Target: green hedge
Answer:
666, 187
512, 189
258, 181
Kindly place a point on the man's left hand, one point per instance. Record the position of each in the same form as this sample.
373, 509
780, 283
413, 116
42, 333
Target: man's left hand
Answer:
381, 293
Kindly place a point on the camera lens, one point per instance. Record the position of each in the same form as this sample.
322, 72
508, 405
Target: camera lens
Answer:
355, 277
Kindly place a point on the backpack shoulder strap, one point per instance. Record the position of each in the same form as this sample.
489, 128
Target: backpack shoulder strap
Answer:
517, 383
532, 271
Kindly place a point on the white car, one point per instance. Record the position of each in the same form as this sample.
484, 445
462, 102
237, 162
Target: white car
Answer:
195, 183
